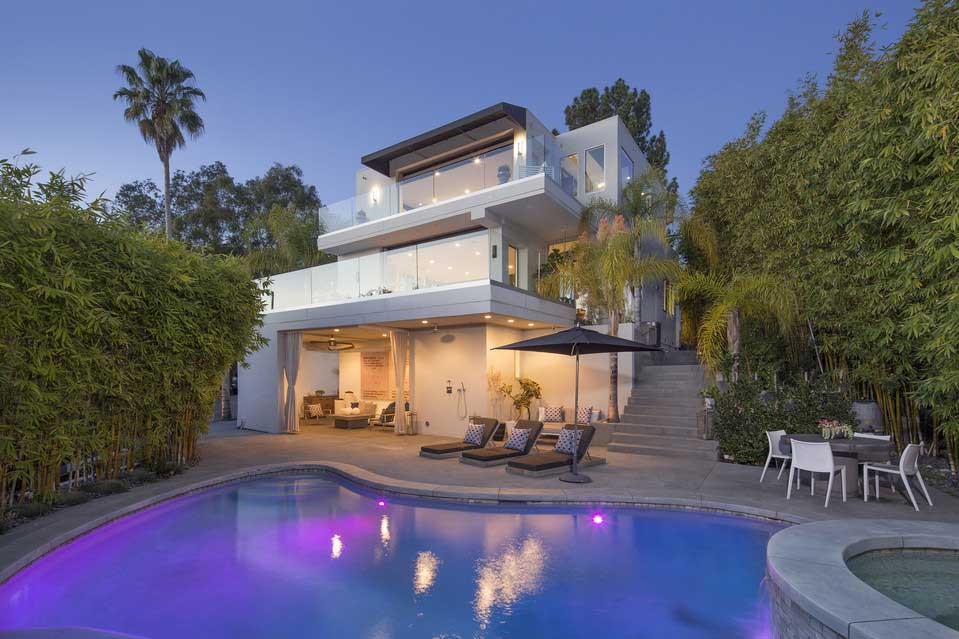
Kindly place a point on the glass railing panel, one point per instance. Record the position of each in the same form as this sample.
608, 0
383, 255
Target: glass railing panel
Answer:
498, 166
416, 192
458, 179
399, 269
453, 260
289, 290
335, 282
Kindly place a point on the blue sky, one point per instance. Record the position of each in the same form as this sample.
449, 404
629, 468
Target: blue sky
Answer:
320, 84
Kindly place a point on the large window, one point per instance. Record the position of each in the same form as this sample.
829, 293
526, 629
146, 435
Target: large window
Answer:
462, 258
512, 264
569, 173
462, 177
625, 168
595, 169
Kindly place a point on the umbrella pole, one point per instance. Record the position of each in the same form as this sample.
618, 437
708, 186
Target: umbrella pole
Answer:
574, 477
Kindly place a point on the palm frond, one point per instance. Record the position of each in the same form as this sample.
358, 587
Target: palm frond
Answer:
711, 337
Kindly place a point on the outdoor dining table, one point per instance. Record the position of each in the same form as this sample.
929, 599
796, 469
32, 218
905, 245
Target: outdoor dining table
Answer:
849, 452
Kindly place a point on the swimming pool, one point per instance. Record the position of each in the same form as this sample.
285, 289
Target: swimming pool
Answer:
312, 556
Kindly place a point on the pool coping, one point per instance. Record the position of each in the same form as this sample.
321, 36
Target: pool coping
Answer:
807, 563
390, 485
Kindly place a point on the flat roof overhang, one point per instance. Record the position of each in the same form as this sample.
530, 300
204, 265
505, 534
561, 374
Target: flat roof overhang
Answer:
482, 125
453, 305
535, 204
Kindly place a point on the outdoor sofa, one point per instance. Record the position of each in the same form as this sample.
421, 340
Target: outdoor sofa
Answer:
453, 449
499, 455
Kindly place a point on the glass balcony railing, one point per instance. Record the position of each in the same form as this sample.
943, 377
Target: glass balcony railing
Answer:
539, 155
453, 260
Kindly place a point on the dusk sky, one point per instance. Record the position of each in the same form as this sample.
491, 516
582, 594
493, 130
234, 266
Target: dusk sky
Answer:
319, 85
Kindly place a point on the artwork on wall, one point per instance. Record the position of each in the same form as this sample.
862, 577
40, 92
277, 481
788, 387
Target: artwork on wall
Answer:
375, 375
377, 381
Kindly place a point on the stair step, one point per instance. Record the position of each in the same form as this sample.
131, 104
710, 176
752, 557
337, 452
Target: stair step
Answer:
666, 421
663, 452
682, 409
663, 441
658, 429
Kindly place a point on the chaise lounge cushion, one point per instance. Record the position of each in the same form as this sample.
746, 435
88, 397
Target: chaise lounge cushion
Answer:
553, 459
490, 425
502, 452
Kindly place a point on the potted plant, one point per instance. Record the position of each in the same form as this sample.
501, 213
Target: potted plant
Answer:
528, 391
709, 394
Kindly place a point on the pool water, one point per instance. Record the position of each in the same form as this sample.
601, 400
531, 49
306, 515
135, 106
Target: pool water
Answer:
311, 556
925, 580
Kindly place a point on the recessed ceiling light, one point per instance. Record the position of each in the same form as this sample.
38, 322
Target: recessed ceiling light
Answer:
476, 252
424, 321
409, 254
476, 160
434, 199
457, 245
449, 268
385, 335
488, 317
432, 261
466, 273
336, 330
510, 321
511, 267
437, 174
466, 190
530, 324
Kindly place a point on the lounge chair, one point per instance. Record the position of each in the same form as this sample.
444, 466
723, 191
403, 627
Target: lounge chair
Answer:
453, 449
387, 418
499, 455
554, 462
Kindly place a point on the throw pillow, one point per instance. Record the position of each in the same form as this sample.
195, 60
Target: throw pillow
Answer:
583, 414
568, 441
553, 414
314, 410
518, 438
474, 434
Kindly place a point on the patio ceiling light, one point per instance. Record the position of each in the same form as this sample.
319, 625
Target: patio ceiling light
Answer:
530, 324
510, 321
424, 321
487, 317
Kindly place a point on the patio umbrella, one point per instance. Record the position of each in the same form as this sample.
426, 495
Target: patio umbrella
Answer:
574, 342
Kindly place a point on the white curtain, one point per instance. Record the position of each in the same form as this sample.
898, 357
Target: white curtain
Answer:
289, 343
399, 345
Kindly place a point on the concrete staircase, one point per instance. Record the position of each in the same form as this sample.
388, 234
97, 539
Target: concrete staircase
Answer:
660, 417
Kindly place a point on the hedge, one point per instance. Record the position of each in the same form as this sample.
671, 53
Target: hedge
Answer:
746, 410
113, 342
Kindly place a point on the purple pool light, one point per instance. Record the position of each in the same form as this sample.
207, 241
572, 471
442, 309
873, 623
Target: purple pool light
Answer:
281, 557
381, 503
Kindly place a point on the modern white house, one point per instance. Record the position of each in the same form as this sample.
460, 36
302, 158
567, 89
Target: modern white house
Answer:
437, 257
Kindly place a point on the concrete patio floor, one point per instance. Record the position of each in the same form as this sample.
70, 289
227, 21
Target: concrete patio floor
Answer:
625, 479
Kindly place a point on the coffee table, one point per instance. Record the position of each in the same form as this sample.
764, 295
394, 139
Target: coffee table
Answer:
351, 421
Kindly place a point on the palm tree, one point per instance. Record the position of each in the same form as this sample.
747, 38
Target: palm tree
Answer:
161, 100
603, 270
728, 299
645, 206
293, 246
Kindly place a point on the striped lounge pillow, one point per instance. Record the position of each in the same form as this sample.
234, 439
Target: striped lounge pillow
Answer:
568, 441
583, 414
517, 439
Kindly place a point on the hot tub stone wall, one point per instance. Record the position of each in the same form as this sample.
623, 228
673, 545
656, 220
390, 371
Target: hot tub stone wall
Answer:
792, 622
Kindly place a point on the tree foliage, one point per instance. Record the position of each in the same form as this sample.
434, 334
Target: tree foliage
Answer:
851, 198
273, 219
112, 340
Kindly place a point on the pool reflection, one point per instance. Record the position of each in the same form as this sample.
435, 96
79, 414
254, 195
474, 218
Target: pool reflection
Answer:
424, 573
501, 581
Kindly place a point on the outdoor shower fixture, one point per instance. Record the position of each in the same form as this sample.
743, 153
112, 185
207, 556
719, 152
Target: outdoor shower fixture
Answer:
461, 395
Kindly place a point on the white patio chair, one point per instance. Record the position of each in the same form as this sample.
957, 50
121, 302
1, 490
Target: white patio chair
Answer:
816, 458
774, 437
908, 467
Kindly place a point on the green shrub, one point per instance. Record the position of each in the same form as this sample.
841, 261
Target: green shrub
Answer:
746, 410
105, 487
71, 498
141, 476
113, 341
32, 509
